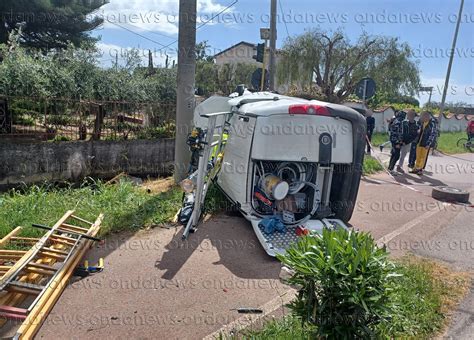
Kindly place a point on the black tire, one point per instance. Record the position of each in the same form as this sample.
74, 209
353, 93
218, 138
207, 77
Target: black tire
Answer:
450, 194
461, 142
464, 143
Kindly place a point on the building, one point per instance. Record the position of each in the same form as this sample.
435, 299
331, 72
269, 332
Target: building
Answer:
241, 52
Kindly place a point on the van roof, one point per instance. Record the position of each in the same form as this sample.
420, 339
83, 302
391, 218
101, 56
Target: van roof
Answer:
267, 103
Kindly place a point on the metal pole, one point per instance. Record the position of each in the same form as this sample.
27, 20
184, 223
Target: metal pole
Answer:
264, 66
273, 38
186, 78
448, 74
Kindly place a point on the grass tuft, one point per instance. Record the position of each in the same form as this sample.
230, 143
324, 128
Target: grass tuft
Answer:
371, 166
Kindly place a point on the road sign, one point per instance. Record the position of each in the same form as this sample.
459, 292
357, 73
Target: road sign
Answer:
265, 33
365, 88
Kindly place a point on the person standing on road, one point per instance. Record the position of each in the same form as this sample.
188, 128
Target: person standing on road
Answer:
370, 120
396, 134
409, 136
426, 140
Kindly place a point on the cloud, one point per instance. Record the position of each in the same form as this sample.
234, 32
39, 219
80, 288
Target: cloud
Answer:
155, 15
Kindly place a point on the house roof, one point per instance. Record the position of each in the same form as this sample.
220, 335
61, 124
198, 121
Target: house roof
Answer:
233, 46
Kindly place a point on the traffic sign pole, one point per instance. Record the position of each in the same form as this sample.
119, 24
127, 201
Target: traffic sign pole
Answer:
262, 82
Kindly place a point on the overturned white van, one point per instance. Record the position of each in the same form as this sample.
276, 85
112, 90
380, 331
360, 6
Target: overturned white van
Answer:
290, 165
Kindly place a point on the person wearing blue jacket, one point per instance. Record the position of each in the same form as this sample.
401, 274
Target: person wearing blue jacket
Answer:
396, 139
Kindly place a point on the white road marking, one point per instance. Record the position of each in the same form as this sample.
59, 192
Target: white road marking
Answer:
407, 226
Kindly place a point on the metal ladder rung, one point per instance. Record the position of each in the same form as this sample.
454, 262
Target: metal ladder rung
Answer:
74, 227
56, 251
40, 266
39, 271
10, 256
11, 309
13, 313
46, 253
12, 252
21, 290
24, 239
28, 285
81, 219
62, 239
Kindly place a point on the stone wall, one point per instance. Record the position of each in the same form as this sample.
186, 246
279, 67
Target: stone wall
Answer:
72, 161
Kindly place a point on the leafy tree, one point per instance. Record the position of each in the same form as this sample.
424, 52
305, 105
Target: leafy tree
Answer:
75, 73
335, 65
206, 77
201, 50
50, 24
382, 98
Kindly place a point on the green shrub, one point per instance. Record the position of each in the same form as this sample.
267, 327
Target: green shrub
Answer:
344, 281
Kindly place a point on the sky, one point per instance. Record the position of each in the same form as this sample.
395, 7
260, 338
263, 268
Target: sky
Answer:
426, 25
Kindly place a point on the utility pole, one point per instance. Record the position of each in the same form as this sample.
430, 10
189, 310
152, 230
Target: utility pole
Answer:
448, 74
273, 38
186, 79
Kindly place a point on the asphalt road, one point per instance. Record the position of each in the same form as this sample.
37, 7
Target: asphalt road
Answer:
154, 286
447, 232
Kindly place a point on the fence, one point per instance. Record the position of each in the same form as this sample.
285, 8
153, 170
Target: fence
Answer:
58, 119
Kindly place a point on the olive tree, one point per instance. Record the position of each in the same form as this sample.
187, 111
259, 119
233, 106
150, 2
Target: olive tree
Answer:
334, 64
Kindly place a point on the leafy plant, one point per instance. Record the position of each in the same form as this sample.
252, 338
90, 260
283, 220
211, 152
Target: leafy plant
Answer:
344, 283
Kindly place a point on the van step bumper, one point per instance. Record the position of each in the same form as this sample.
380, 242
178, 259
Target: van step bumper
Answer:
277, 242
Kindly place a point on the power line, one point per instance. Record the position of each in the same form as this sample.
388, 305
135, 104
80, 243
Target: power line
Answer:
152, 32
283, 18
140, 35
205, 23
216, 15
175, 41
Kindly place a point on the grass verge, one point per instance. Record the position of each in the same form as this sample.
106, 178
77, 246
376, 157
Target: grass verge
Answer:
426, 295
447, 141
379, 138
371, 165
125, 206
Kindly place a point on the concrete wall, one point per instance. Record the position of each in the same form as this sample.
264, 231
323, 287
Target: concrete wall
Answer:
450, 123
72, 161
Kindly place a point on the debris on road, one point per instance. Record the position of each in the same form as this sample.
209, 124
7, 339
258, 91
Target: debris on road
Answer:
247, 310
450, 194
